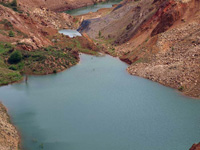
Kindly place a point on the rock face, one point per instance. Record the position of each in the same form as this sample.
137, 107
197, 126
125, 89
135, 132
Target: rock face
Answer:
171, 54
178, 63
60, 5
9, 138
195, 147
123, 21
158, 38
32, 26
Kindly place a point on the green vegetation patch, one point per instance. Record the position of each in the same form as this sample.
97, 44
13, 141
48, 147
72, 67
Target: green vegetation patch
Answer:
11, 33
12, 5
8, 76
181, 88
5, 47
106, 43
8, 30
15, 57
87, 51
14, 61
46, 60
7, 23
79, 47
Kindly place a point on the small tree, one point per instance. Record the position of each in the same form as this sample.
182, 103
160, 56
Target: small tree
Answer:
14, 3
99, 33
11, 34
15, 57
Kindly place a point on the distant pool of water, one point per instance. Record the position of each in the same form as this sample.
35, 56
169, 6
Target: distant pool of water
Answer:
70, 33
92, 8
97, 105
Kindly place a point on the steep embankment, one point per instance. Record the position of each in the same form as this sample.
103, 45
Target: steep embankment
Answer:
123, 19
159, 38
30, 35
9, 138
32, 26
25, 31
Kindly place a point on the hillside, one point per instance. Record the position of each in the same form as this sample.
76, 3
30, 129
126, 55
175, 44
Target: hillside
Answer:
32, 33
30, 44
59, 5
158, 38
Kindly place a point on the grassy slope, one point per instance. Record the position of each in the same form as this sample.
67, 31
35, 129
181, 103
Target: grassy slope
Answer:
6, 75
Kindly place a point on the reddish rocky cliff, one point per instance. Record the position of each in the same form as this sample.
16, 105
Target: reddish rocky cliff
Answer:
195, 147
159, 38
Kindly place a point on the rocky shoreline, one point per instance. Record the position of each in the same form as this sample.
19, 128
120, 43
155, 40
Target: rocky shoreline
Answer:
195, 147
43, 51
9, 136
160, 41
164, 67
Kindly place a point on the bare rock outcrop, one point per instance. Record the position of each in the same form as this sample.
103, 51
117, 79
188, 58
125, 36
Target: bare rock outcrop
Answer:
59, 5
158, 38
195, 147
174, 59
33, 25
9, 137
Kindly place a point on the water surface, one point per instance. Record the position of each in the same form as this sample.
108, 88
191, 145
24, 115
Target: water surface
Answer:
70, 33
84, 10
92, 8
97, 105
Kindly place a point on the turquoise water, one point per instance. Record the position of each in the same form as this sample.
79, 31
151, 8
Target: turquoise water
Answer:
97, 105
92, 8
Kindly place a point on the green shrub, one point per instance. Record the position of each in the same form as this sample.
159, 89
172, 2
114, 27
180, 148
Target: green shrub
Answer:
11, 33
48, 48
99, 34
13, 67
15, 57
8, 45
54, 71
21, 66
6, 23
38, 57
181, 88
13, 3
